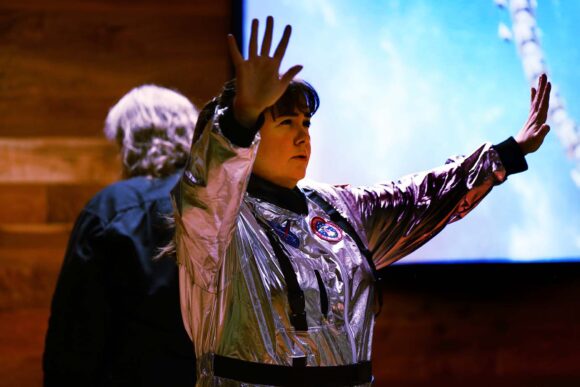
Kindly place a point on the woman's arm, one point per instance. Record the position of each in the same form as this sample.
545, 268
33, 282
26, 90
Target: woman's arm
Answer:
210, 193
399, 217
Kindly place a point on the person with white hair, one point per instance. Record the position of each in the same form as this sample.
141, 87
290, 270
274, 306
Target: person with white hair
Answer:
115, 317
153, 127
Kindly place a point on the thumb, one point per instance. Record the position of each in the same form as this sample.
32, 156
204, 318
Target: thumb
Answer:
290, 74
544, 130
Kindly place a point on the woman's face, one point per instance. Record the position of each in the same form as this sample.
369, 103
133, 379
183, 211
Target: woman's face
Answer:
284, 149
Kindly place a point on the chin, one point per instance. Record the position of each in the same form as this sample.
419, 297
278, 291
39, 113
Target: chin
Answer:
298, 178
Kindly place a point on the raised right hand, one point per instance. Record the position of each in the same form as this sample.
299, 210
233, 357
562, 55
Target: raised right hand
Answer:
532, 134
258, 81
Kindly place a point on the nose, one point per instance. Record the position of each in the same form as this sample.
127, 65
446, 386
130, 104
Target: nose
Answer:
302, 135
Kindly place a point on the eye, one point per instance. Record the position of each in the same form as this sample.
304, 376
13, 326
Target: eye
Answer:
287, 121
306, 123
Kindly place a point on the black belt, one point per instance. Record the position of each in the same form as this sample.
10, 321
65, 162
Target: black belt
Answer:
278, 375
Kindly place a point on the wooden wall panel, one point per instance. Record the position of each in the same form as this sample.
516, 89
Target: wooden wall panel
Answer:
479, 325
33, 203
23, 203
30, 259
60, 160
64, 65
65, 201
21, 336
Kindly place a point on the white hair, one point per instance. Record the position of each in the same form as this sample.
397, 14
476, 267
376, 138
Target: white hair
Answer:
153, 127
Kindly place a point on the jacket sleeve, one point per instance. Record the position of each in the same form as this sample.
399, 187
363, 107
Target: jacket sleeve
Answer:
399, 217
76, 345
209, 195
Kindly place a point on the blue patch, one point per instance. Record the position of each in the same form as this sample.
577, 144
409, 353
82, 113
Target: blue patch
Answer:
285, 234
326, 229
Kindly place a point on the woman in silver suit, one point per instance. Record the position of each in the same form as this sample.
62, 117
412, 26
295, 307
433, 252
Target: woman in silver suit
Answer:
277, 276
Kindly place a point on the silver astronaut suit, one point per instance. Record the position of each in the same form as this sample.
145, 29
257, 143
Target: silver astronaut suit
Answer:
233, 294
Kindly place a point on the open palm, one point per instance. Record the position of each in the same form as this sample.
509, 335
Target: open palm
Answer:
535, 129
258, 81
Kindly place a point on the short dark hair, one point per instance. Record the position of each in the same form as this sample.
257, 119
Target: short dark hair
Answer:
299, 95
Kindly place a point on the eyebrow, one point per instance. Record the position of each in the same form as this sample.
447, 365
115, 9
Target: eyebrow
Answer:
291, 115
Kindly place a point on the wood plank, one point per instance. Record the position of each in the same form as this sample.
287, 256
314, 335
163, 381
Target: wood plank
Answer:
65, 201
22, 334
200, 7
30, 260
44, 203
23, 203
29, 286
81, 113
25, 236
559, 358
69, 67
58, 160
113, 33
28, 276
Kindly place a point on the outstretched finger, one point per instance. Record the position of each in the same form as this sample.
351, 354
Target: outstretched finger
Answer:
545, 102
290, 74
253, 47
234, 52
281, 49
533, 95
267, 42
542, 80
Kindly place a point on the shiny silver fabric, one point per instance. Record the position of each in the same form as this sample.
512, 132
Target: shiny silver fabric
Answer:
233, 294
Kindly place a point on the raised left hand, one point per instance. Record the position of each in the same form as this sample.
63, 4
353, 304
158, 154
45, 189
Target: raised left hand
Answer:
532, 134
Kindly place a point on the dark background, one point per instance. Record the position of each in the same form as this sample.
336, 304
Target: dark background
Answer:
63, 63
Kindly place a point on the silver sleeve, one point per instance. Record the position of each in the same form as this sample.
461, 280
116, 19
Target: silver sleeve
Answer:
207, 201
399, 217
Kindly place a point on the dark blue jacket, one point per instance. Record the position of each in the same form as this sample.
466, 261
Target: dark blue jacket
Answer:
115, 317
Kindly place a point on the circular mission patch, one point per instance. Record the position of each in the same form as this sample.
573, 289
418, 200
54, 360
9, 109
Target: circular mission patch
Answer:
326, 229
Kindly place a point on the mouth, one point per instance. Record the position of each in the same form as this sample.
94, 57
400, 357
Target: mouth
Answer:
300, 157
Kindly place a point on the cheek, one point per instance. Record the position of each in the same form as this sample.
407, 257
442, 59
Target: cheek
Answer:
268, 157
274, 145
266, 149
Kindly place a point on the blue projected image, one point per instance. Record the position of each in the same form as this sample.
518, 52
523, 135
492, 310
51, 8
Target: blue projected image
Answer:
404, 85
